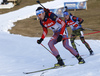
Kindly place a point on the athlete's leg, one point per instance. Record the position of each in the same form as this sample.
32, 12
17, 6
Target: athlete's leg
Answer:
55, 52
85, 43
51, 44
66, 45
73, 37
72, 50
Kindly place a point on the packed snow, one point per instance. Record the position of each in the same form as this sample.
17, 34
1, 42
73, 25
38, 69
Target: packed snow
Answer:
20, 54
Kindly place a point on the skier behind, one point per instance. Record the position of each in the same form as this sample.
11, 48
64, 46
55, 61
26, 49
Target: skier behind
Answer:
51, 21
77, 30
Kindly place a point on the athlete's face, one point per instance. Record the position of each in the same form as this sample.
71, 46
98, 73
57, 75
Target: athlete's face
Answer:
41, 16
67, 17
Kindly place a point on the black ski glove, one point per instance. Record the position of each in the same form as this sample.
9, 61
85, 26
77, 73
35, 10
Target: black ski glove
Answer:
39, 41
82, 29
59, 38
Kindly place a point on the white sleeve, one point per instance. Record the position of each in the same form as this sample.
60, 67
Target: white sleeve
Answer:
66, 32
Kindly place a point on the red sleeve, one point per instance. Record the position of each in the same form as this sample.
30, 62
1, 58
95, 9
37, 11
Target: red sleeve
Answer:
63, 24
45, 31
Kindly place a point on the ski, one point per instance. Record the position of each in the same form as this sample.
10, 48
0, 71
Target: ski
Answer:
84, 56
39, 70
81, 56
45, 69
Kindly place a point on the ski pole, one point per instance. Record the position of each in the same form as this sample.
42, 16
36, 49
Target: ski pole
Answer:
90, 29
47, 49
77, 44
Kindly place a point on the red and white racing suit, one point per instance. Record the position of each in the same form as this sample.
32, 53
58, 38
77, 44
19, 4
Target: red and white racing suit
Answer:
57, 25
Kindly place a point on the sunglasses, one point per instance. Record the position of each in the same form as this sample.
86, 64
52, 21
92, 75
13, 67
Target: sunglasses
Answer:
39, 12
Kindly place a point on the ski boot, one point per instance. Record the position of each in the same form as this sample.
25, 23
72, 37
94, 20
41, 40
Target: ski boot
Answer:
91, 52
80, 59
60, 62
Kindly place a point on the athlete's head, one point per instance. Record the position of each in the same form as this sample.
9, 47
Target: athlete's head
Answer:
40, 13
66, 15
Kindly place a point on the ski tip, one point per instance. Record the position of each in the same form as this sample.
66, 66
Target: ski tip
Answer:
25, 73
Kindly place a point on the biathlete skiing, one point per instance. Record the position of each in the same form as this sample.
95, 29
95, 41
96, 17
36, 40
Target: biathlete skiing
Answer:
49, 20
77, 30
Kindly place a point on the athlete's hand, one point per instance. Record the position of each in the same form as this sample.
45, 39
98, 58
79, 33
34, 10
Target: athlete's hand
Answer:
39, 41
59, 38
82, 29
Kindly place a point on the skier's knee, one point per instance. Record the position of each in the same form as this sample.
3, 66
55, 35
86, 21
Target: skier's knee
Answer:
50, 44
82, 39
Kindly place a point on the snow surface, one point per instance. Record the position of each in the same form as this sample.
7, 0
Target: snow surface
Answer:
20, 54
